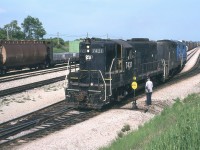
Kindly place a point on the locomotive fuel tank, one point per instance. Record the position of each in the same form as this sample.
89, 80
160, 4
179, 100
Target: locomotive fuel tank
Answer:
22, 53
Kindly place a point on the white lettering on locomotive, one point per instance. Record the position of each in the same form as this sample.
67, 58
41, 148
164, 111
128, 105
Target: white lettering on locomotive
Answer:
88, 57
97, 50
128, 65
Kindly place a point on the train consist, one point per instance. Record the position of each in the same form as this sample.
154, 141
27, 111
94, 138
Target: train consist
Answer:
16, 55
191, 45
107, 68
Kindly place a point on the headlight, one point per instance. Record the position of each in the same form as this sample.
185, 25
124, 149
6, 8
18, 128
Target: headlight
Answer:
88, 46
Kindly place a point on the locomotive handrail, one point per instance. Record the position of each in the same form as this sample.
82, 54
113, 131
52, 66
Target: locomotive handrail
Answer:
68, 63
104, 84
164, 68
102, 79
66, 81
110, 76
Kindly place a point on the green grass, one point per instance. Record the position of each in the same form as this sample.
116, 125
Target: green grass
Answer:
177, 128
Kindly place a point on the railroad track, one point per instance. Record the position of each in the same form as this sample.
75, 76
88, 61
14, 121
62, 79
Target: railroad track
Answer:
27, 70
191, 53
42, 122
192, 72
29, 86
31, 74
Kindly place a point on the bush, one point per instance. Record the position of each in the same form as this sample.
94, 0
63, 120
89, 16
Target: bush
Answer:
120, 134
125, 128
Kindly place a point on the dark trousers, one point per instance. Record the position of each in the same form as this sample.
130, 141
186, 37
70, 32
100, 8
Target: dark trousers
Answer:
148, 98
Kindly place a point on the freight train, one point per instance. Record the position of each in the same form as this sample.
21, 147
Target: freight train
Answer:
16, 55
191, 44
60, 58
107, 68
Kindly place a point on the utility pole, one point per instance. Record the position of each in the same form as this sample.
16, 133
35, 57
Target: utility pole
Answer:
7, 34
11, 32
58, 41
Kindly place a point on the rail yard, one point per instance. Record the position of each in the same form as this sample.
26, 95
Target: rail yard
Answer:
99, 75
95, 128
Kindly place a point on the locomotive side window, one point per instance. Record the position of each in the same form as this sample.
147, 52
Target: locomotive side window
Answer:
129, 54
119, 57
110, 55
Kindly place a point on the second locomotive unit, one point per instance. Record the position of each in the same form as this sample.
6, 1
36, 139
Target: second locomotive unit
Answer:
107, 68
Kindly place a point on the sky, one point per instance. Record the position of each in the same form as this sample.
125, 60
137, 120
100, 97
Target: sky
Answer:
115, 19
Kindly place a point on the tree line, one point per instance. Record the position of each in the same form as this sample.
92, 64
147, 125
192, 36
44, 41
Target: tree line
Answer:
31, 29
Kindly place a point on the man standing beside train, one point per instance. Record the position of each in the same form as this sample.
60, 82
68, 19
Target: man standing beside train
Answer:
149, 90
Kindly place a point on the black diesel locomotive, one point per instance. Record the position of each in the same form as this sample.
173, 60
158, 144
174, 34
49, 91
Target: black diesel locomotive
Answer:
107, 68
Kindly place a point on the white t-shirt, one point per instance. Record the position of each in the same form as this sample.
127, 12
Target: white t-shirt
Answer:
149, 86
